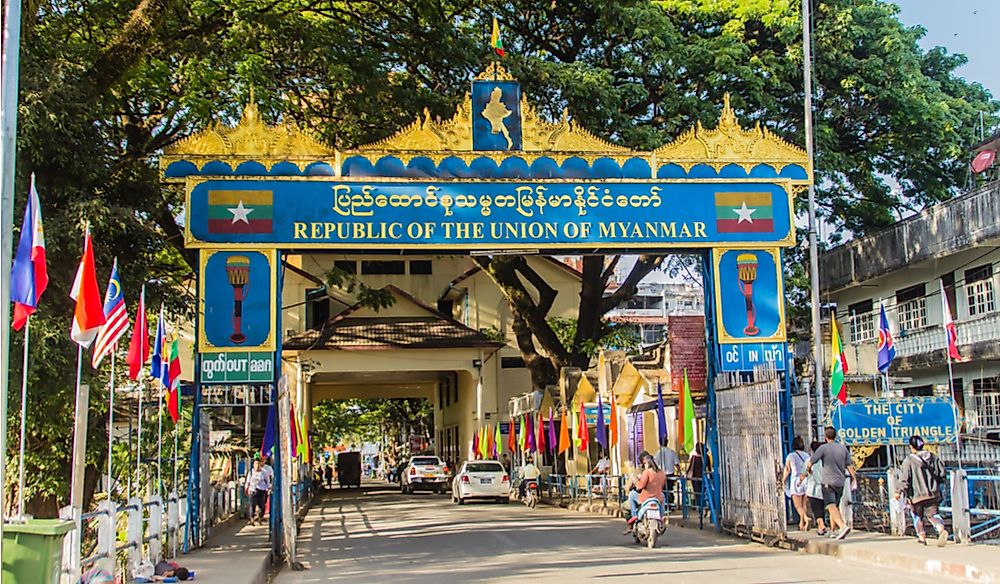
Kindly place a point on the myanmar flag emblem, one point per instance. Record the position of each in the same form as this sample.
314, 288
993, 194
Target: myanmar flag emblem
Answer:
240, 211
743, 213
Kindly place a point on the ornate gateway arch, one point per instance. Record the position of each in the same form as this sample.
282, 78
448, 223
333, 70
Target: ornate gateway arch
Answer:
495, 177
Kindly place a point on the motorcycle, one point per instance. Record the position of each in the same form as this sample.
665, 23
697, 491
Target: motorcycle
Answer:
650, 525
530, 494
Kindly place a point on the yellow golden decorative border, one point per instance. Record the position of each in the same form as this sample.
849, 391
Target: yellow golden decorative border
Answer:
789, 185
271, 254
781, 334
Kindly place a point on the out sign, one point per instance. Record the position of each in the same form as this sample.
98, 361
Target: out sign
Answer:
237, 367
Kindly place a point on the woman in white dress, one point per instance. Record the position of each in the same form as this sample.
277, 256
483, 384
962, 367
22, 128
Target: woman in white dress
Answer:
795, 464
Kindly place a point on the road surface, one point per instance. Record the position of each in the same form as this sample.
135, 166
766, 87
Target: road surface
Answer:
378, 535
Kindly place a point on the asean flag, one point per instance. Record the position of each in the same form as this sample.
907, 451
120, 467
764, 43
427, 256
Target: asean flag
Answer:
88, 316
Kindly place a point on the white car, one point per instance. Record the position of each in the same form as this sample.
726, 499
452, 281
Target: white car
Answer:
427, 472
481, 479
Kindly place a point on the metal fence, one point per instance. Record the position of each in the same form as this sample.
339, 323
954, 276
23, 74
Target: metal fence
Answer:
116, 538
683, 494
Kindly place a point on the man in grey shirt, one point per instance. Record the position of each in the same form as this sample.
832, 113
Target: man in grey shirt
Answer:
836, 459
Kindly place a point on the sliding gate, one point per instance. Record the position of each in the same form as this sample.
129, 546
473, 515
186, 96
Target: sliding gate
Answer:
750, 456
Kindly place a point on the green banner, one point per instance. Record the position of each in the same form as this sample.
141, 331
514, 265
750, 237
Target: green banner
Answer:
237, 367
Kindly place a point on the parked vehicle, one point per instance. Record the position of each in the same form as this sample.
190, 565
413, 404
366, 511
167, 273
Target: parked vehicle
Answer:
481, 479
424, 472
349, 469
650, 525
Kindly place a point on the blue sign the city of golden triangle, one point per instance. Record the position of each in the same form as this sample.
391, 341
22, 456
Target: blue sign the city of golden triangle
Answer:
870, 421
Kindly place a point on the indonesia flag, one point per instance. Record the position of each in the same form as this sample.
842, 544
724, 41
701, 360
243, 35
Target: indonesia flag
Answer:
29, 277
115, 315
950, 333
138, 348
88, 317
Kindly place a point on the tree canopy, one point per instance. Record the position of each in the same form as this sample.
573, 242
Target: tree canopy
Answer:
106, 84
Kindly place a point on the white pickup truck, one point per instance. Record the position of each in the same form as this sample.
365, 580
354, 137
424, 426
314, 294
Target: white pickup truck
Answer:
425, 472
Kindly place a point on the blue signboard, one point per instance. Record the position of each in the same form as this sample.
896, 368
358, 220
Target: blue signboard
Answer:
496, 115
745, 356
749, 296
374, 213
237, 294
590, 411
870, 421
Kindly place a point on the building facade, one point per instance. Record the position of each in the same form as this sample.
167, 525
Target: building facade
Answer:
648, 311
954, 246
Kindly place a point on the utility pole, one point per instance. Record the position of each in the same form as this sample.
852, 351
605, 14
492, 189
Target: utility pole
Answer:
813, 247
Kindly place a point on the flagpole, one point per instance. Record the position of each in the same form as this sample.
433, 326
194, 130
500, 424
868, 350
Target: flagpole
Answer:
954, 404
138, 441
8, 151
111, 421
159, 441
24, 419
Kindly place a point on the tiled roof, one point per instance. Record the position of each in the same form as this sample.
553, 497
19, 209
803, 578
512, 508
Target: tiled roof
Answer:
398, 332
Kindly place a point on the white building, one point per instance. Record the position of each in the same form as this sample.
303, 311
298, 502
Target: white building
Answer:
957, 243
648, 310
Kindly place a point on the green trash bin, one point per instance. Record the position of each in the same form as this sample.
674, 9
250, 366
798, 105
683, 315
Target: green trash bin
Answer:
32, 551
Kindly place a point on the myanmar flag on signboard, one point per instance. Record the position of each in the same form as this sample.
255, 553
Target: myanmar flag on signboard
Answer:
240, 211
743, 213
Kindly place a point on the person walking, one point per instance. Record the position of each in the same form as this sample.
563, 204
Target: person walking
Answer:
814, 493
328, 475
258, 485
794, 486
696, 473
836, 459
921, 476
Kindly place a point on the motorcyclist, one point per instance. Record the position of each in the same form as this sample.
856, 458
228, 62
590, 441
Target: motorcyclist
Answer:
529, 473
649, 486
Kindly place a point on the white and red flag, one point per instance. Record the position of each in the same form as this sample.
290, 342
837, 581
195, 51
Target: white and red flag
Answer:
88, 317
950, 333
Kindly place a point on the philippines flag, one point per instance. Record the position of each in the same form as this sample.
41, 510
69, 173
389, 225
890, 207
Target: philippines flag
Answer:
950, 333
88, 316
116, 318
29, 277
886, 349
160, 366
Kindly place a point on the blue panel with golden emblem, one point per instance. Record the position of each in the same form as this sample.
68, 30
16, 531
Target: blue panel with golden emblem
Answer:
496, 115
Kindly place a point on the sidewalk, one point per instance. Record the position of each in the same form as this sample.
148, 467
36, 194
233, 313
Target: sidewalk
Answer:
968, 563
238, 553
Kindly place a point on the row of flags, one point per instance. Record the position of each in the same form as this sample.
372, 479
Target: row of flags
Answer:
300, 445
886, 348
95, 323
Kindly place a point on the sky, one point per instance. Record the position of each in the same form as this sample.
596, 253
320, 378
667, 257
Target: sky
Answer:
961, 26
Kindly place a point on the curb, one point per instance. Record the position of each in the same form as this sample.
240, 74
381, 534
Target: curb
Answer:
871, 555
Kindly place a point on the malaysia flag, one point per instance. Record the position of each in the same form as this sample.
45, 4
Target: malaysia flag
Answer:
950, 333
116, 318
29, 277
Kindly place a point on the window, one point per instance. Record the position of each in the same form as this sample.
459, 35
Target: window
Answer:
862, 315
446, 307
652, 333
349, 266
511, 363
921, 391
317, 308
382, 267
421, 267
979, 290
911, 308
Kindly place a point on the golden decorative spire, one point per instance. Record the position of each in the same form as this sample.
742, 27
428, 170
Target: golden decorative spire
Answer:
249, 139
729, 143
